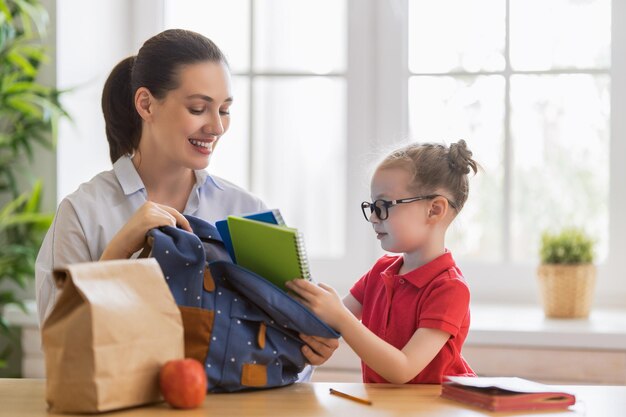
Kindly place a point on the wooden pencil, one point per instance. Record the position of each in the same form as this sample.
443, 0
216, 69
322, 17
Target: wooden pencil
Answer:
350, 397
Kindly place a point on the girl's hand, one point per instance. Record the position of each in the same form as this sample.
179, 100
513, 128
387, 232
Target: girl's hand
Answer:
318, 349
132, 235
322, 300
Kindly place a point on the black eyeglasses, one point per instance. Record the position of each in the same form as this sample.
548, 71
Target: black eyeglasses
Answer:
381, 207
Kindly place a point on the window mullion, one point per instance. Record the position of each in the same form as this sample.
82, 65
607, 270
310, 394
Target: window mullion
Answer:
391, 66
614, 275
251, 98
507, 181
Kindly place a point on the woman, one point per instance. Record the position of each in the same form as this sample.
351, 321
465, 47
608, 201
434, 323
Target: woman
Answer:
165, 110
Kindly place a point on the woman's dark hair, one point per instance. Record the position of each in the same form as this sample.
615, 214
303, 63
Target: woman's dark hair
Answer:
156, 67
435, 166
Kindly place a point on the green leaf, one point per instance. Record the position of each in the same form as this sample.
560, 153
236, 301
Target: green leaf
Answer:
21, 62
26, 86
34, 12
5, 13
13, 206
32, 205
29, 113
569, 246
7, 297
26, 105
24, 218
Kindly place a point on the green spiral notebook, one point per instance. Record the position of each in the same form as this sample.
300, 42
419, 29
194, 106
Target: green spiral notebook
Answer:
274, 252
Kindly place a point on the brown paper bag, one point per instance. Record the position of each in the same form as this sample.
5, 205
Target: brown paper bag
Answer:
114, 325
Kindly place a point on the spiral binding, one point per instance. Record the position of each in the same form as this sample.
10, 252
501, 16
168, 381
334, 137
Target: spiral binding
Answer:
279, 217
303, 259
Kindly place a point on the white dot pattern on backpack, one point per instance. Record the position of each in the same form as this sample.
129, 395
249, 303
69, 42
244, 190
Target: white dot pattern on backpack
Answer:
228, 352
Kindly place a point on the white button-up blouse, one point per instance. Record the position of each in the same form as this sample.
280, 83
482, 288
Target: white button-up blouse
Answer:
87, 219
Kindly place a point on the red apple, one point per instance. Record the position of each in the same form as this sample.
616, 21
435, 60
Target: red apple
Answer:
183, 383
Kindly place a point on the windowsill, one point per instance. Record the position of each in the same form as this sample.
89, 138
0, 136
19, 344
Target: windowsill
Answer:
526, 326
493, 326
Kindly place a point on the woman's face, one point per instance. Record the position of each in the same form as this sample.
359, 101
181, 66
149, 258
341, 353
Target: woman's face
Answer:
189, 121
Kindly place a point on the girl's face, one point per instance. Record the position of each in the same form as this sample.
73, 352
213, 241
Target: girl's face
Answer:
189, 121
405, 230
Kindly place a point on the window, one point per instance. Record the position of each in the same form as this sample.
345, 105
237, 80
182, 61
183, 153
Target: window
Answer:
527, 84
322, 88
288, 143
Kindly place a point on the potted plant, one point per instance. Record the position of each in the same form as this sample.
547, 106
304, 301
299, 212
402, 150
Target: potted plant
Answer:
567, 275
28, 115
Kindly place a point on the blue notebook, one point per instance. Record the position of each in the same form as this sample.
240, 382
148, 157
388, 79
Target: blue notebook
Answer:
269, 216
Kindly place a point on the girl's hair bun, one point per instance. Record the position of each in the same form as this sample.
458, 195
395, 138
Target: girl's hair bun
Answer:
460, 159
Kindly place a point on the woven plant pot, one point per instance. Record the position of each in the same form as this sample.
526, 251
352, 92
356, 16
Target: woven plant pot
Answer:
567, 290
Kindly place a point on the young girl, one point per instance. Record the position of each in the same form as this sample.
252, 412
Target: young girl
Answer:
413, 307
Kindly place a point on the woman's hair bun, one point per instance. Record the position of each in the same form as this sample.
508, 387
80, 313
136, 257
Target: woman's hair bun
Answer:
460, 158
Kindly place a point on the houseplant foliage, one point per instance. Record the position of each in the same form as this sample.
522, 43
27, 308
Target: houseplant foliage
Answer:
567, 275
28, 115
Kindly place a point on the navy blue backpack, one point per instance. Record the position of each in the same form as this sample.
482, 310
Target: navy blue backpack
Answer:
242, 327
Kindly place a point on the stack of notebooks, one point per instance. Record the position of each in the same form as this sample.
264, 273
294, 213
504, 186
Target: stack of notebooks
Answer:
262, 243
506, 394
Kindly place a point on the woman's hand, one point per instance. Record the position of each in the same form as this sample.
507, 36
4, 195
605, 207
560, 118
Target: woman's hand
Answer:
132, 235
321, 299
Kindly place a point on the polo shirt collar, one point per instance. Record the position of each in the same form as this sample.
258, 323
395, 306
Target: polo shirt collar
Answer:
202, 176
131, 182
127, 175
421, 276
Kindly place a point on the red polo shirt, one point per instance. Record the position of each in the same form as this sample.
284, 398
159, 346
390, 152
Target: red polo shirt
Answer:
433, 296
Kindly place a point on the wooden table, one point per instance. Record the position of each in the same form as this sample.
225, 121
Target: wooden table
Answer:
26, 398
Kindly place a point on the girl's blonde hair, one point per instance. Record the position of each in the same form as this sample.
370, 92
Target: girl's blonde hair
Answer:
435, 167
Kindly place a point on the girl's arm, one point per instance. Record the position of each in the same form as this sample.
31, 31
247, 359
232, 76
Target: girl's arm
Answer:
395, 365
318, 349
353, 305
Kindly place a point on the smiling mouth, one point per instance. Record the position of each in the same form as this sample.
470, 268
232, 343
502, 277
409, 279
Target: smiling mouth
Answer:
201, 144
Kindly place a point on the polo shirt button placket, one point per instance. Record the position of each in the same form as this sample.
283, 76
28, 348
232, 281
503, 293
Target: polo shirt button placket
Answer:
401, 281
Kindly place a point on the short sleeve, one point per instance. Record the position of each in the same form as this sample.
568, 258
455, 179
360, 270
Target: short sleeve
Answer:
358, 289
65, 243
446, 306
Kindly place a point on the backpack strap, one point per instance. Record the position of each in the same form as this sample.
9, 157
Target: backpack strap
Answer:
276, 303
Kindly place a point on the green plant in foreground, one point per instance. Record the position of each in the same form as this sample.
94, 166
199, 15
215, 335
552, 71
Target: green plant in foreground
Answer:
29, 112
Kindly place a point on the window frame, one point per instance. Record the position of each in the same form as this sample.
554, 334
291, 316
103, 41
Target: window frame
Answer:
508, 281
378, 110
377, 119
